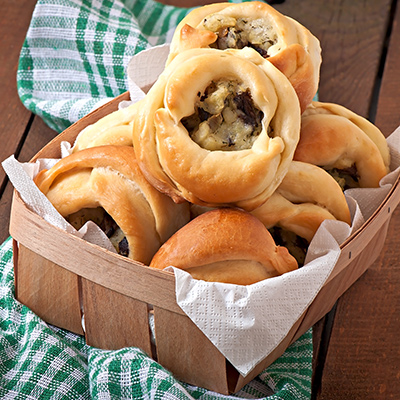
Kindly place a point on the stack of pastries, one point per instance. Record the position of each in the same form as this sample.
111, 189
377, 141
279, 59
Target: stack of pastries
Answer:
227, 167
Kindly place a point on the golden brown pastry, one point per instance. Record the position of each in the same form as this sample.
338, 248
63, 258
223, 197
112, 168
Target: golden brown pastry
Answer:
281, 40
225, 245
351, 148
223, 135
307, 196
104, 184
113, 129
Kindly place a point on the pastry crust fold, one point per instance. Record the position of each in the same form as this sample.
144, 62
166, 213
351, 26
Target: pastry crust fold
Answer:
178, 164
113, 129
306, 197
334, 137
280, 39
225, 245
109, 177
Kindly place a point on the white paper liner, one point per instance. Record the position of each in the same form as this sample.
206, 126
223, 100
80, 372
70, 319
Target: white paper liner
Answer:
21, 176
245, 323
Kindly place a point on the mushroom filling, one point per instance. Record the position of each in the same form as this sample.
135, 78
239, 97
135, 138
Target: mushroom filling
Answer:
225, 118
239, 33
296, 245
105, 222
347, 178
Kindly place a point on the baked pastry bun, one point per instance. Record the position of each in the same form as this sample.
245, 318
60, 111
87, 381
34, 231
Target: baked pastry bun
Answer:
113, 129
281, 40
220, 135
307, 196
225, 245
351, 148
104, 184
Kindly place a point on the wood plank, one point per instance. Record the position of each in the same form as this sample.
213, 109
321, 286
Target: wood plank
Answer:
364, 341
388, 116
39, 135
130, 278
365, 338
5, 207
188, 352
114, 321
14, 117
334, 84
50, 291
351, 43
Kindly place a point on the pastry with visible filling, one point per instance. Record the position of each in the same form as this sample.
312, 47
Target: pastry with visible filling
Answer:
225, 245
217, 128
281, 40
352, 149
307, 196
105, 185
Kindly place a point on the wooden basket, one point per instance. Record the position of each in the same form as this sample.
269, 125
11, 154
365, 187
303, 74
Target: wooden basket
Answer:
56, 274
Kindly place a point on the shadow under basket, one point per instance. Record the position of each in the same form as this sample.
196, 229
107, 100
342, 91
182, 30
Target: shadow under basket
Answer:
57, 275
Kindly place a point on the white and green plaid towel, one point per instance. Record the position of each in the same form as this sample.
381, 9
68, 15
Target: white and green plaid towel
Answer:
73, 60
76, 52
38, 361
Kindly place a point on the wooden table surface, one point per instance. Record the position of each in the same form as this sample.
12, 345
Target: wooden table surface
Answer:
357, 345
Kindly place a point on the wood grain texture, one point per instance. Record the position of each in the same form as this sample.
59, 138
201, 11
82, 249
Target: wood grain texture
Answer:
157, 287
39, 135
184, 349
14, 117
48, 290
130, 278
114, 321
388, 116
351, 35
363, 359
364, 345
5, 209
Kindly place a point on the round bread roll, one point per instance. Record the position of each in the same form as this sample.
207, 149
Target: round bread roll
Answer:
216, 136
348, 146
113, 129
104, 184
225, 245
281, 40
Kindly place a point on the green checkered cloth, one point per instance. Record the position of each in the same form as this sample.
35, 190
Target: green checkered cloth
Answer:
39, 361
75, 54
73, 60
